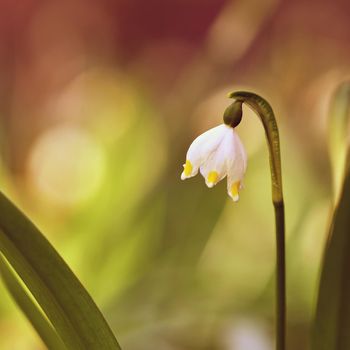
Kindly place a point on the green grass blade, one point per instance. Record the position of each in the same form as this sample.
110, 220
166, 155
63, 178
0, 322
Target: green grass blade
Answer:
339, 114
68, 306
332, 320
29, 307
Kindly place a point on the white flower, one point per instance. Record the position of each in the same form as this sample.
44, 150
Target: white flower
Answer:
217, 153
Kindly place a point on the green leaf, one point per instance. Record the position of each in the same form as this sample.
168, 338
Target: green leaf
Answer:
338, 134
68, 306
30, 307
332, 317
332, 320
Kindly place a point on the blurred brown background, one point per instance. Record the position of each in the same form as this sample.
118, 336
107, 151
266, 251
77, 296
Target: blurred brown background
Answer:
99, 101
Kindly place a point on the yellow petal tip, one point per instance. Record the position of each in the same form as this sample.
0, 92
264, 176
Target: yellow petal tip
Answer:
235, 198
187, 170
234, 191
212, 178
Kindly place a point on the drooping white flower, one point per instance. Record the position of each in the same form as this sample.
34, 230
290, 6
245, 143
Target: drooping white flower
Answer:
217, 153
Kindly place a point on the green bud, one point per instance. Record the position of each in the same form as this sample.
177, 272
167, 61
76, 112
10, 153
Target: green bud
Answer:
233, 114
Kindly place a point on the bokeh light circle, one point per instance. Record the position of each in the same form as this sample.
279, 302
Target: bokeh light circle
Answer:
66, 166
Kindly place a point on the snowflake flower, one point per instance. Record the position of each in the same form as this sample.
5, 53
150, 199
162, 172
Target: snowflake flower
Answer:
218, 153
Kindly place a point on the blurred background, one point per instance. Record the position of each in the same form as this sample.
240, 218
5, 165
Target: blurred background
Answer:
99, 101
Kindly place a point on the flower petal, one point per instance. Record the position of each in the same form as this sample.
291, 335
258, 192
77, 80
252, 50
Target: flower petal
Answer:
236, 169
233, 189
201, 149
215, 168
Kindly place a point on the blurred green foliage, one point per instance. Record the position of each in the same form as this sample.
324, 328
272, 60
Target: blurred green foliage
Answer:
332, 314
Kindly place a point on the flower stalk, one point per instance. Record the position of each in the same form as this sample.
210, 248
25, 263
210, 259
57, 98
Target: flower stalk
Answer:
233, 116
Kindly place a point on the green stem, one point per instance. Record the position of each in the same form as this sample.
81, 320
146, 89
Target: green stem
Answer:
267, 117
281, 277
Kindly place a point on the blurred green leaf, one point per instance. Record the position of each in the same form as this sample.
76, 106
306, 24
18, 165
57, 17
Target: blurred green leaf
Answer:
338, 133
29, 307
64, 300
332, 322
332, 318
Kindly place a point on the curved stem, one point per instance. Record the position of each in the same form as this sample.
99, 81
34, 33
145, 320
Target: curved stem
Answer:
267, 117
